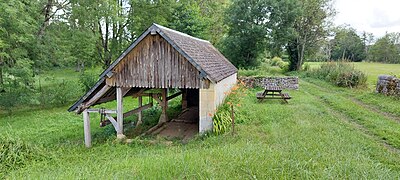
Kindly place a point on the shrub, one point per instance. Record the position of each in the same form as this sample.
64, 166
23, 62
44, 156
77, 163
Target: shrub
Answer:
14, 96
306, 67
277, 61
340, 73
87, 81
59, 93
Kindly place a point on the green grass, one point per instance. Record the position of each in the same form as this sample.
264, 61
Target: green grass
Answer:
373, 70
325, 132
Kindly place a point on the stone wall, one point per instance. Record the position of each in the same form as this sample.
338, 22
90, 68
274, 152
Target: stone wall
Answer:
388, 85
289, 82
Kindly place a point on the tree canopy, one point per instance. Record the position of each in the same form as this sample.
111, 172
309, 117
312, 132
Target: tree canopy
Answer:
348, 45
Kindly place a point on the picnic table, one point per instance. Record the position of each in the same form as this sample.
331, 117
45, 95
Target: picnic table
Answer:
273, 92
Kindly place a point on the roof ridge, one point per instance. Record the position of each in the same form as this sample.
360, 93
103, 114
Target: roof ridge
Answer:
180, 33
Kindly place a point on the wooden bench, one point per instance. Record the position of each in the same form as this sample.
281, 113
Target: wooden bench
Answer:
286, 96
268, 95
260, 95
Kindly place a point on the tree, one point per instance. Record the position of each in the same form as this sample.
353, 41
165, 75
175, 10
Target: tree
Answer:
107, 20
311, 26
386, 49
17, 27
347, 45
143, 13
213, 12
256, 25
368, 39
187, 18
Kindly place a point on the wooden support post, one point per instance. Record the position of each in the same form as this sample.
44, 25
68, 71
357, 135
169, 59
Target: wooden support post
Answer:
86, 128
140, 99
164, 105
120, 114
184, 99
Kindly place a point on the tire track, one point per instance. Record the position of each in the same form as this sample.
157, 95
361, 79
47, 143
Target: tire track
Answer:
369, 107
352, 123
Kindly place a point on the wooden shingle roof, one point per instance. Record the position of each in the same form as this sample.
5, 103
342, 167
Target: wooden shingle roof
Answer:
203, 53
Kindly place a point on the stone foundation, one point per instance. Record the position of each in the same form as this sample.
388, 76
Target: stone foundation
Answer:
289, 82
388, 85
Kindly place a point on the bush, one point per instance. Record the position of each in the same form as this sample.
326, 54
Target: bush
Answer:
306, 67
277, 61
14, 96
340, 73
87, 81
59, 93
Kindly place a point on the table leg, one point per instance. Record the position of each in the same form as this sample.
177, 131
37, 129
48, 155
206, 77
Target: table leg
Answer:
283, 98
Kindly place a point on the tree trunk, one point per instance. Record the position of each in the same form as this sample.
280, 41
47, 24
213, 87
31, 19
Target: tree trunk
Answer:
344, 53
107, 60
301, 51
47, 16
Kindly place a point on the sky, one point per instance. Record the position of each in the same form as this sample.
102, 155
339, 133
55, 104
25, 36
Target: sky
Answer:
374, 16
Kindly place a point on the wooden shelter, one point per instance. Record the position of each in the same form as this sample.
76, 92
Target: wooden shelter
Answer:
161, 59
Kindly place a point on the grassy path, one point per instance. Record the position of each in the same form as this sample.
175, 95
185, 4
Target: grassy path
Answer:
352, 122
384, 105
378, 123
377, 110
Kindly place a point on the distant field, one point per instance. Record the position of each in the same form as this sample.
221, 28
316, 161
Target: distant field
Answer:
373, 70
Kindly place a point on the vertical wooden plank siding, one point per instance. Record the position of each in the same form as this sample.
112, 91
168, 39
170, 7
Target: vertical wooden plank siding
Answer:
154, 63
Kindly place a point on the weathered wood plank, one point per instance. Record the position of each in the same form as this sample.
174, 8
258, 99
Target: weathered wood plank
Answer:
97, 96
86, 128
107, 111
120, 111
137, 110
113, 122
164, 105
174, 95
140, 101
155, 63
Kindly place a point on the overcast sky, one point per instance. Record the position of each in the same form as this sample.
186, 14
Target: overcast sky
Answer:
375, 16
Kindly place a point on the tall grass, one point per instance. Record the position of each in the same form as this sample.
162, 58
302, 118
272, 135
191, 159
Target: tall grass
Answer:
341, 74
15, 153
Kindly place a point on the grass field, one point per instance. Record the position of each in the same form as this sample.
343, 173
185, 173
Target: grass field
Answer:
373, 70
324, 132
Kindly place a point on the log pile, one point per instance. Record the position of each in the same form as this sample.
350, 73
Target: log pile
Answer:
388, 85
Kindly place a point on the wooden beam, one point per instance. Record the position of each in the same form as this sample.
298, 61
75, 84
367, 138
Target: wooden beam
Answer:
137, 110
157, 98
139, 93
140, 101
86, 128
105, 99
125, 90
113, 122
97, 96
107, 111
184, 99
164, 105
127, 114
174, 95
120, 111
